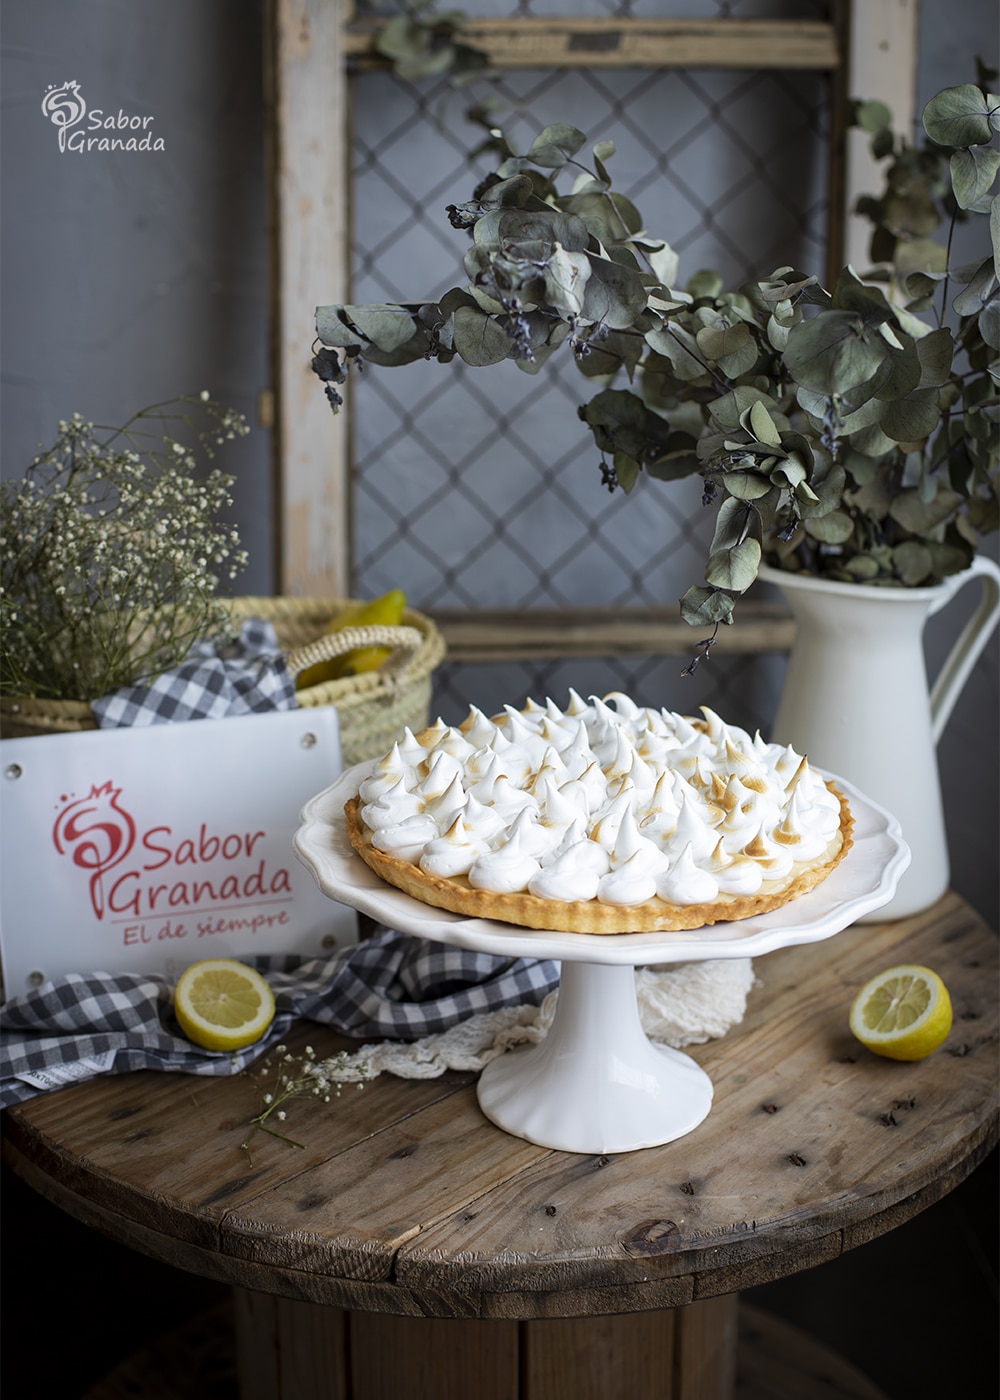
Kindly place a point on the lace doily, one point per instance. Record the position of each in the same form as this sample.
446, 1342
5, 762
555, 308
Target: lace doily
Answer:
679, 1006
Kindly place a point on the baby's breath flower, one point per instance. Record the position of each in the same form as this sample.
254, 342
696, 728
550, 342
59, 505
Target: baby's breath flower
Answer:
303, 1076
113, 551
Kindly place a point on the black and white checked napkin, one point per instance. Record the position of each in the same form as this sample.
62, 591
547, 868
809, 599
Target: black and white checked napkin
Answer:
247, 676
389, 986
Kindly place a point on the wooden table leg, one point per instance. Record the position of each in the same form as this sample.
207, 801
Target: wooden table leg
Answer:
291, 1349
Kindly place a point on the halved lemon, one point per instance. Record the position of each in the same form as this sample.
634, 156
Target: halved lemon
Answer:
904, 1013
221, 1004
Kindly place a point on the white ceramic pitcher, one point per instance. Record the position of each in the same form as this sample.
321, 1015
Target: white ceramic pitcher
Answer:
856, 702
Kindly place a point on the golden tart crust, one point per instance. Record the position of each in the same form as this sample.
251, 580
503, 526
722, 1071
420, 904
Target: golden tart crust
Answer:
591, 916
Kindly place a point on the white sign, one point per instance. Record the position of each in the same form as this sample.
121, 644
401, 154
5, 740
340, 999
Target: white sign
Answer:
145, 849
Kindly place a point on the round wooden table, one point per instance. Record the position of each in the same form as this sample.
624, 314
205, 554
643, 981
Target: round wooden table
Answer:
442, 1252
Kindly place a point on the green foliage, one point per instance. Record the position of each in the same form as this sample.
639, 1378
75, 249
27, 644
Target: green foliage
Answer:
112, 551
837, 431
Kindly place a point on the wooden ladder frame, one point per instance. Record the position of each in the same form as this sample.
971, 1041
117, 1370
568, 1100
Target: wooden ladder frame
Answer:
870, 49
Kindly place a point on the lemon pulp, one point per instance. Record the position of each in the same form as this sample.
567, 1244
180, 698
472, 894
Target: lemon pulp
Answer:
904, 1013
221, 1004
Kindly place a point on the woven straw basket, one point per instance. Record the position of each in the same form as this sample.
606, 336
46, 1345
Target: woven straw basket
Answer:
373, 708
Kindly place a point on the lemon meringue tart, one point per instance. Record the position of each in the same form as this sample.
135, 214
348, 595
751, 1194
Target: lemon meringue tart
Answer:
604, 817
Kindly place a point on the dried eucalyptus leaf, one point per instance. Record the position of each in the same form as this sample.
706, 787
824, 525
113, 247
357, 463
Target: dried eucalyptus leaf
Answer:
872, 117
746, 485
479, 339
912, 562
958, 116
734, 569
918, 516
675, 465
727, 411
617, 351
989, 323
912, 418
866, 301
790, 473
831, 355
719, 340
921, 255
864, 417
333, 330
678, 346
626, 470
665, 264
614, 295
833, 528
554, 146
904, 372
872, 441
702, 607
763, 426
618, 420
972, 173
566, 276
947, 558
873, 498
935, 352
862, 567
973, 297
387, 327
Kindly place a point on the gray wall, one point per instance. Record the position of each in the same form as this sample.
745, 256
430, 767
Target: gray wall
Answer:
131, 277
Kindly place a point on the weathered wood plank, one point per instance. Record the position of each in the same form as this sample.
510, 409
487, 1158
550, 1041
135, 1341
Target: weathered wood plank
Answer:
290, 1349
406, 1200
165, 1149
883, 47
599, 1358
306, 108
705, 1350
395, 1357
512, 635
350, 1215
577, 42
809, 1136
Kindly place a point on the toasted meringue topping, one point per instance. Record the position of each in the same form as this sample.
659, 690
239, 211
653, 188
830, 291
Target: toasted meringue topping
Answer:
603, 800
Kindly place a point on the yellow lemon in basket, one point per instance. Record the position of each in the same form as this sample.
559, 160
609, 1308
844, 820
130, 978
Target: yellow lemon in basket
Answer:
904, 1013
221, 1004
386, 611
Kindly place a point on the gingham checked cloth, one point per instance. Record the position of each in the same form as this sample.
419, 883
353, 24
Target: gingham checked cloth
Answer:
390, 985
215, 681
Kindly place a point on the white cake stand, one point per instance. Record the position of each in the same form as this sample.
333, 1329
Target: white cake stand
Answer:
596, 1083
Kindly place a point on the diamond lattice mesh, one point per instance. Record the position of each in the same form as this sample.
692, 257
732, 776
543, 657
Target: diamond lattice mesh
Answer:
481, 488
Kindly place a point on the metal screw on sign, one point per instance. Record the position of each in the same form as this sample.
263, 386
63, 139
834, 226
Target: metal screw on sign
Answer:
35, 979
328, 941
12, 771
308, 741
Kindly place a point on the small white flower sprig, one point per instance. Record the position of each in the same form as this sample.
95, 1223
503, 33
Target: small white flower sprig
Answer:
113, 550
299, 1077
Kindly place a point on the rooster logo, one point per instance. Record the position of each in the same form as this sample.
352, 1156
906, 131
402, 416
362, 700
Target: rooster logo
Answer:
64, 107
96, 833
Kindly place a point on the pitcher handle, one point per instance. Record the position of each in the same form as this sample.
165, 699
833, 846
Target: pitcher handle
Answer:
976, 633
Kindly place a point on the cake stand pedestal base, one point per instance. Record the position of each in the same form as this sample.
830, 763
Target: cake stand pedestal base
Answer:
596, 1083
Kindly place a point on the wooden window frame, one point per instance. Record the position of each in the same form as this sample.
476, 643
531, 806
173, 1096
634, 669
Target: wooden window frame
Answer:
869, 49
